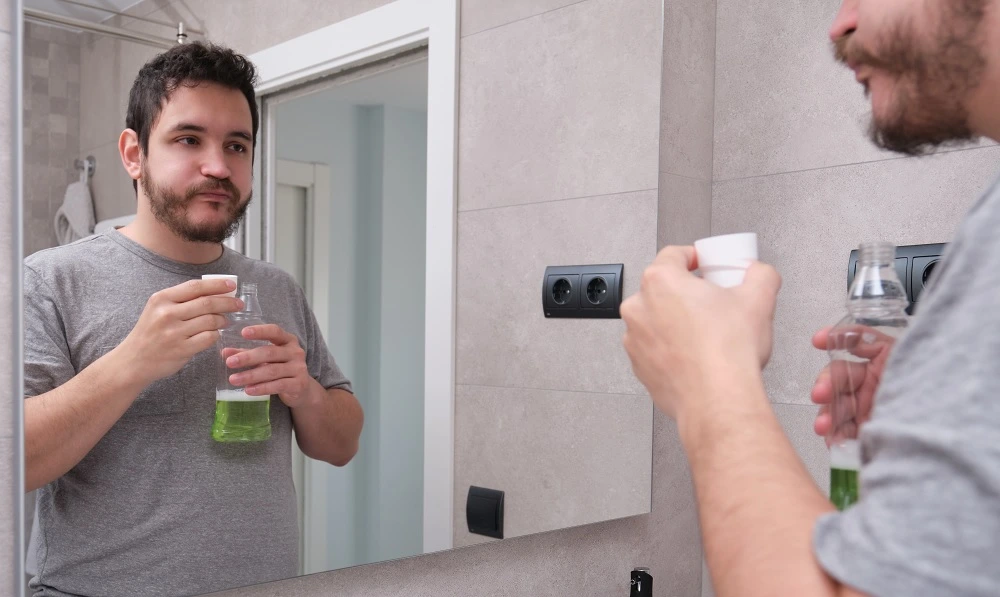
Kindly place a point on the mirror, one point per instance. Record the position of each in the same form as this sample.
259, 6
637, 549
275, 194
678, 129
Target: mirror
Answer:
356, 200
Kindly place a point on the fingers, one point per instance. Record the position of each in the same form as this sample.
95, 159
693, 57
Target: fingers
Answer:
202, 341
679, 257
760, 279
820, 339
193, 289
270, 332
203, 323
208, 304
823, 421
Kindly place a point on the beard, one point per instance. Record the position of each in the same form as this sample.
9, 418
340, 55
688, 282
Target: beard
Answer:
933, 80
170, 208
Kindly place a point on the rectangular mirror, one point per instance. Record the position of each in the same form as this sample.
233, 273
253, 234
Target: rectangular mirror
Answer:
415, 171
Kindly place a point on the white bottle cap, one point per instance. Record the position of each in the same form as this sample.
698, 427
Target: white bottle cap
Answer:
723, 260
235, 280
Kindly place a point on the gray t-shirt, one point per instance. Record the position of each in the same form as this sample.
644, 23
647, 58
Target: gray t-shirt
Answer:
928, 522
157, 507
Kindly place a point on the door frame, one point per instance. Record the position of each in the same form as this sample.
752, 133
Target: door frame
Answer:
315, 179
385, 31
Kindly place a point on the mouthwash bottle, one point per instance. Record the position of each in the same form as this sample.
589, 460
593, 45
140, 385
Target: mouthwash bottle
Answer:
238, 416
876, 316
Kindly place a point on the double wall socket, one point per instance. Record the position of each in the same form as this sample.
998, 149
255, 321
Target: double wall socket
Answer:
583, 291
914, 266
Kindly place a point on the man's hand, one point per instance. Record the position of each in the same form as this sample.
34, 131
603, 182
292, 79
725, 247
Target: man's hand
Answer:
276, 369
176, 324
682, 330
862, 378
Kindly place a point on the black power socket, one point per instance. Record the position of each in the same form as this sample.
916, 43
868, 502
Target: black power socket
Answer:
914, 265
582, 291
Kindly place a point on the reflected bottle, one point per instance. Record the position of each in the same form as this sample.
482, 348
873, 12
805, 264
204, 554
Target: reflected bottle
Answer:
239, 417
876, 317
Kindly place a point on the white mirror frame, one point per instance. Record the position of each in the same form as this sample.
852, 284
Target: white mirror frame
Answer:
379, 33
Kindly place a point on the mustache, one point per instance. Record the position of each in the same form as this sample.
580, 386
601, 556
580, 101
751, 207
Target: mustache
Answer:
847, 51
214, 185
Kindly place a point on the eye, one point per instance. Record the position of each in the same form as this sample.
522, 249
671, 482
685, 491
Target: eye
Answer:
188, 141
238, 147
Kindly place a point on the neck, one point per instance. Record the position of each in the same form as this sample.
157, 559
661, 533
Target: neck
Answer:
153, 235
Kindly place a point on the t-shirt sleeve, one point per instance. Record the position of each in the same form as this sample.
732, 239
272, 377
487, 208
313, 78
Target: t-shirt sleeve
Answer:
928, 520
47, 360
321, 364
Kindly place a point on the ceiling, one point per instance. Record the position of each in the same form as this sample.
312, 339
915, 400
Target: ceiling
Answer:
79, 12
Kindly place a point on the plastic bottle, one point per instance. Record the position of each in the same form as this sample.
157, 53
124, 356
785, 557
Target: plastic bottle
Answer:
238, 416
876, 316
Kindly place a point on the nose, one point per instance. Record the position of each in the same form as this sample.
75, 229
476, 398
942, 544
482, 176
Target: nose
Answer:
846, 21
214, 165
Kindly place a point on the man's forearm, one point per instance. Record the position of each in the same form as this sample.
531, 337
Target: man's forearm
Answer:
757, 503
63, 425
329, 426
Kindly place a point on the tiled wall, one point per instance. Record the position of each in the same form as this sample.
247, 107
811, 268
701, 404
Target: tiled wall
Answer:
9, 540
51, 127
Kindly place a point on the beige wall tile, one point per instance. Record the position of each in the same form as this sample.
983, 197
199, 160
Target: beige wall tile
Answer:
503, 337
561, 106
808, 223
479, 15
562, 459
685, 210
688, 83
781, 102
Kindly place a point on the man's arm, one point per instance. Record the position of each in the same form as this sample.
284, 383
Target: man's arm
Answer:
328, 425
327, 422
63, 425
699, 350
757, 504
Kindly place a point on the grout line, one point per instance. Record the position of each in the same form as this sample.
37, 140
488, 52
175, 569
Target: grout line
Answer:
547, 201
474, 385
686, 177
522, 19
852, 164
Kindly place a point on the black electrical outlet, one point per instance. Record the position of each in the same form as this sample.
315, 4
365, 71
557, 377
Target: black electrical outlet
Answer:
484, 511
914, 265
582, 291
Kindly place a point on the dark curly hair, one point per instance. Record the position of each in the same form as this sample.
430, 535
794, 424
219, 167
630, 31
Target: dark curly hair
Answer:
186, 64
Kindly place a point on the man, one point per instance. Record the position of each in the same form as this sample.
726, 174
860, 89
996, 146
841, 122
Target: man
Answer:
135, 498
928, 522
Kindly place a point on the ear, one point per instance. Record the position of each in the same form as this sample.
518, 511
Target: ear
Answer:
128, 147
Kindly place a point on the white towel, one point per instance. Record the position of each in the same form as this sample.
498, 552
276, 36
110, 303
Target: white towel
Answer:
75, 219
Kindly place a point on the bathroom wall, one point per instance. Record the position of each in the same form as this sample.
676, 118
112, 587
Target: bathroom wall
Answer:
51, 128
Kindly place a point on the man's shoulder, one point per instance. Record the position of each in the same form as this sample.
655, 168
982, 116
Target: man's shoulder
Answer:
78, 255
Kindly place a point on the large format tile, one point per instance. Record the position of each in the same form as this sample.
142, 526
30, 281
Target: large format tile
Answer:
561, 106
504, 338
589, 560
685, 210
808, 222
781, 102
688, 87
479, 15
562, 459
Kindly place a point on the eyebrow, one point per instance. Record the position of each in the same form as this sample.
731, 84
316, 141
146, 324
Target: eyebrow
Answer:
196, 128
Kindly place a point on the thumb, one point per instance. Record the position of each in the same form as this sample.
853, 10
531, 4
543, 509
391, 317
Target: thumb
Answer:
761, 280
